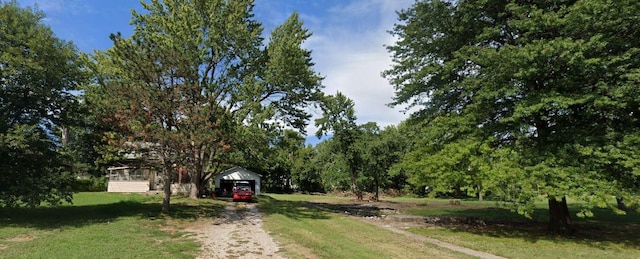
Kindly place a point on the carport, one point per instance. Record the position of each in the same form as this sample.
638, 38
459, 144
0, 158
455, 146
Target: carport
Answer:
225, 180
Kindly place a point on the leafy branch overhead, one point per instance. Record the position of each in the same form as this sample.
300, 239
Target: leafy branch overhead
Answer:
195, 72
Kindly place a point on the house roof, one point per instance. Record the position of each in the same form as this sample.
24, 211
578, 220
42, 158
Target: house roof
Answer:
237, 169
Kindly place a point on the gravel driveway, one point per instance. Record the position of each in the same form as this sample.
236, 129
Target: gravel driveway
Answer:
237, 233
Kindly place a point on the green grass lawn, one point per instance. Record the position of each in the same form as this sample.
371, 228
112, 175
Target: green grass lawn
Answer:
302, 227
103, 225
308, 232
108, 225
606, 235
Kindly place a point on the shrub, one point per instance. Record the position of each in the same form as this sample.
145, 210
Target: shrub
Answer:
93, 184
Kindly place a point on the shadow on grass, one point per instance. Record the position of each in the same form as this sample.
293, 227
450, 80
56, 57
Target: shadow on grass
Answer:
77, 216
499, 222
599, 231
292, 209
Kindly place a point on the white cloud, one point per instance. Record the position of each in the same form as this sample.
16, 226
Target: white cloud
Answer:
59, 7
348, 48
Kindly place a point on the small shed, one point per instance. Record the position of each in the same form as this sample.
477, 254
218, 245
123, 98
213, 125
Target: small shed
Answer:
225, 180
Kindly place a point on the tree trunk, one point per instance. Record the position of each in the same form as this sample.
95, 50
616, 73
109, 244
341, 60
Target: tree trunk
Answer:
194, 190
621, 205
354, 185
559, 218
166, 200
377, 198
64, 136
195, 171
152, 180
479, 193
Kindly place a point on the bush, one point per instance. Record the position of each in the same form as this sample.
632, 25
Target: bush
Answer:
93, 184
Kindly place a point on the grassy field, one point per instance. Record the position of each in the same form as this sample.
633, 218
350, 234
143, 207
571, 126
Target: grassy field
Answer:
103, 225
308, 232
506, 233
606, 235
108, 225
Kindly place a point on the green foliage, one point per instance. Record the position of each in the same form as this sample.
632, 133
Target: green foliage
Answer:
93, 184
332, 166
292, 166
32, 171
82, 143
37, 71
522, 99
364, 152
197, 79
338, 117
379, 150
306, 173
290, 78
37, 74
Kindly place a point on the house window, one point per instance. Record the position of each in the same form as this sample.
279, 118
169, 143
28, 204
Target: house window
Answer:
128, 174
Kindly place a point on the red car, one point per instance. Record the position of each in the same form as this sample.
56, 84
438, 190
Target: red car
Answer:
242, 192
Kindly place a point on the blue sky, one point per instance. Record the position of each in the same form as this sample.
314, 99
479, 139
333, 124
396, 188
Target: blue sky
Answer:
347, 43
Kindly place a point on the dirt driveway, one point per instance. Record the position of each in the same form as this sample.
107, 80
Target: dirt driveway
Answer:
238, 233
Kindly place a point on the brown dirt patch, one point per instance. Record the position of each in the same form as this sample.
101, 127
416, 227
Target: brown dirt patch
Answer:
396, 214
20, 239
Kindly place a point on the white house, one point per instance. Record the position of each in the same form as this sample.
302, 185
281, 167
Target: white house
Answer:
225, 180
130, 179
140, 174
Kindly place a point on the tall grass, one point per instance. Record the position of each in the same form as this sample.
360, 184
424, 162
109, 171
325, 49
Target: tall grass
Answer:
103, 225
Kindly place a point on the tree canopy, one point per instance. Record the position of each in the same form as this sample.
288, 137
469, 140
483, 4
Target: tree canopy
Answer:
197, 75
523, 98
339, 119
38, 73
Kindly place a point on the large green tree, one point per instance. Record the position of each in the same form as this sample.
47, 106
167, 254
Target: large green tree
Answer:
339, 120
276, 160
305, 170
196, 75
532, 98
379, 151
38, 72
297, 163
332, 167
292, 164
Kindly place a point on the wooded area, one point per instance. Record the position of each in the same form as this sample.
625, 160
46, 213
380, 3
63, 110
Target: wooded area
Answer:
522, 100
515, 102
